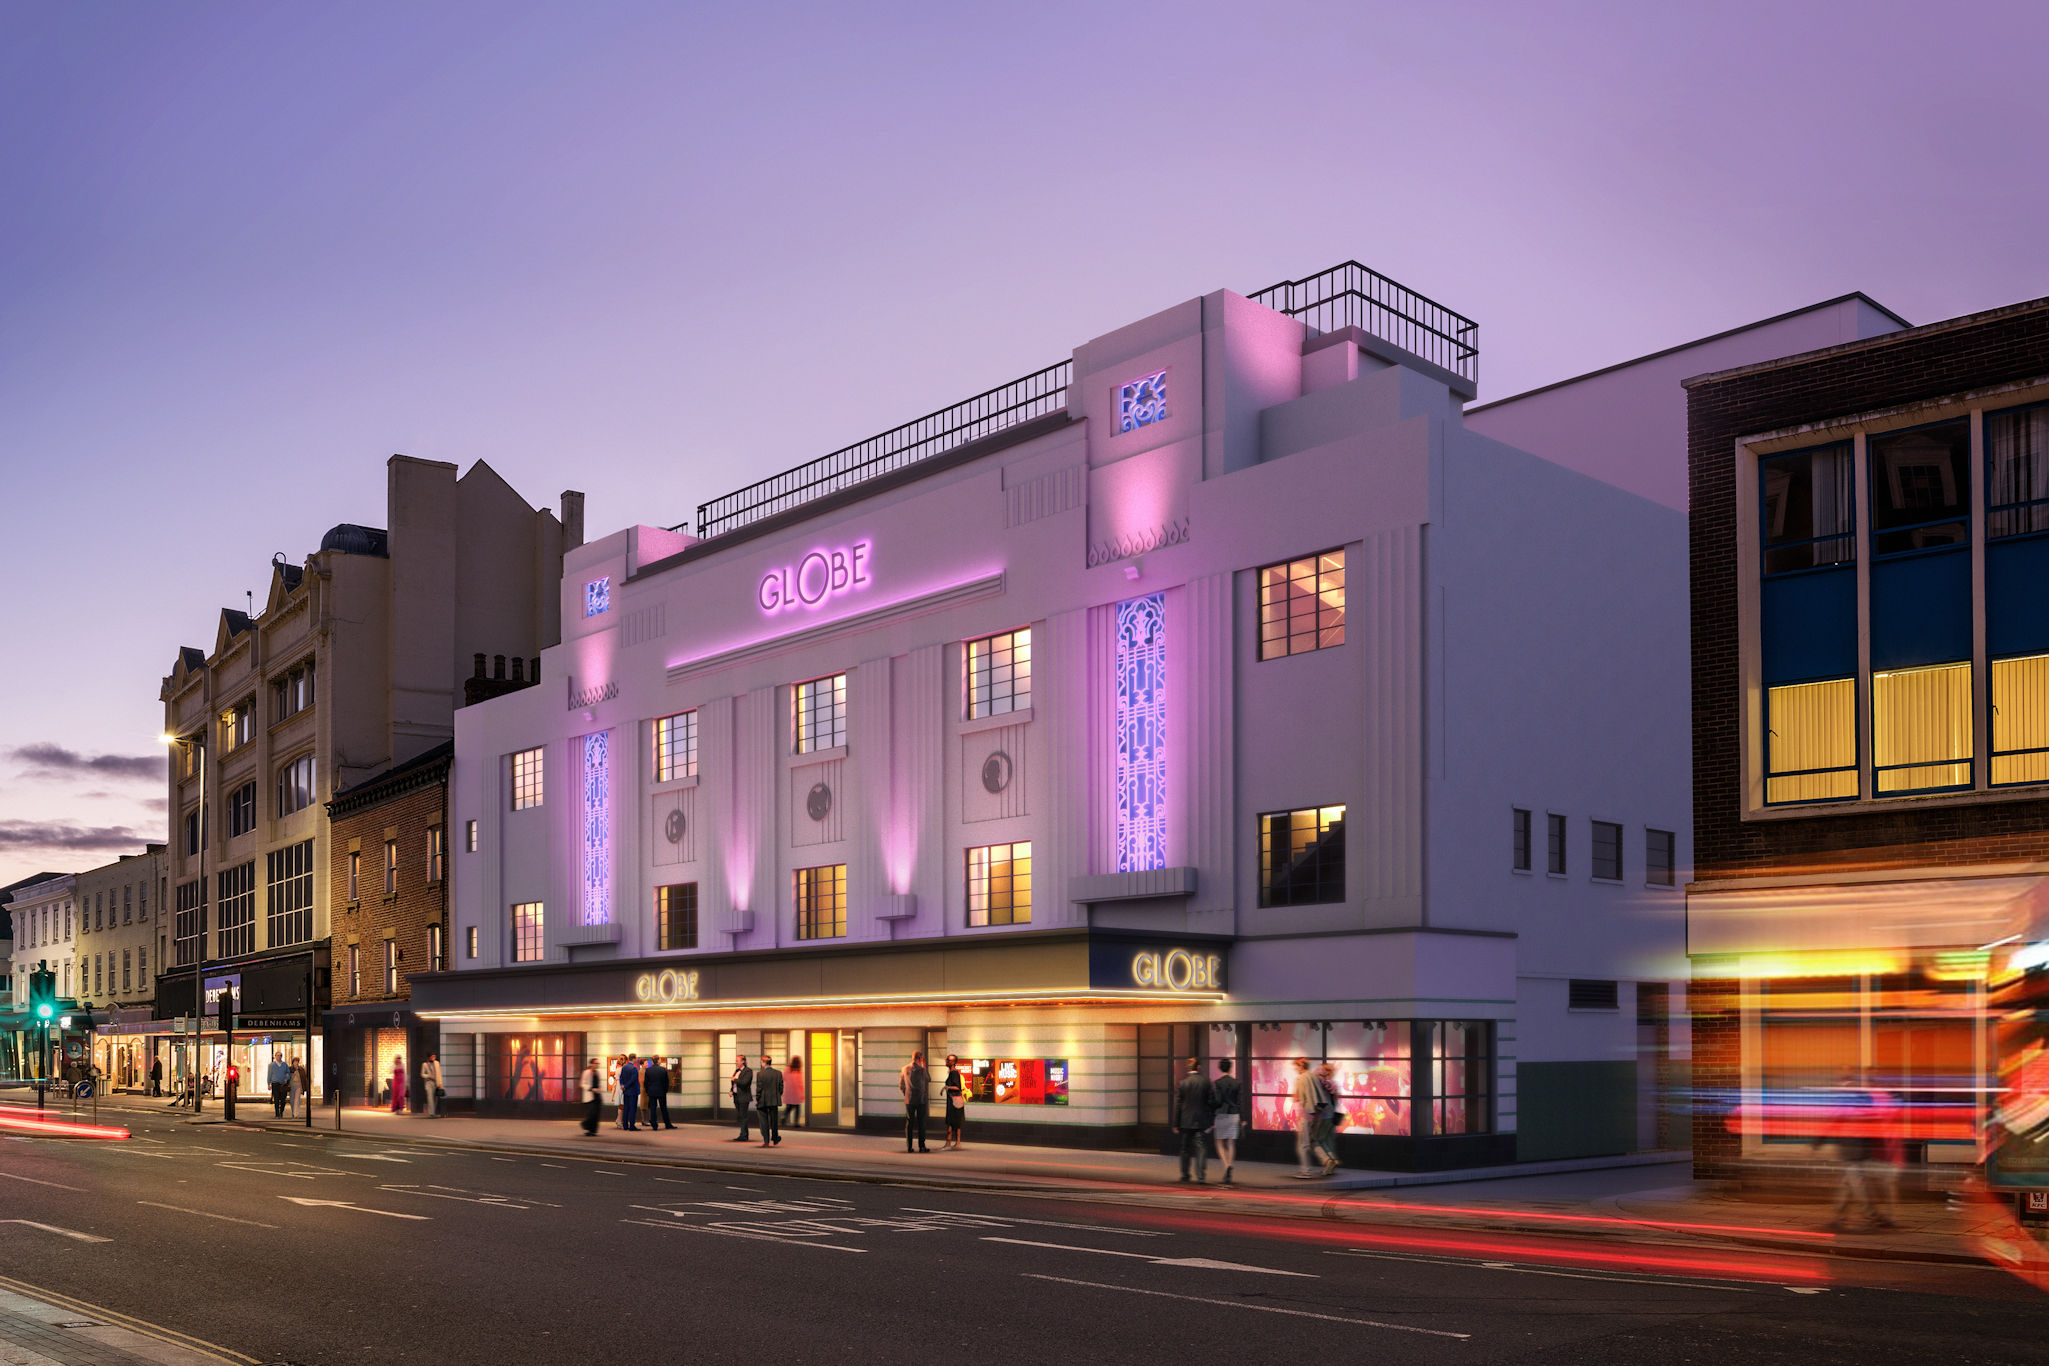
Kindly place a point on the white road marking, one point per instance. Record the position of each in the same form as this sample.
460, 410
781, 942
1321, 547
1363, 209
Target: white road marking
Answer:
1260, 1308
61, 1232
36, 1181
1544, 1271
736, 1233
205, 1214
360, 1209
369, 1157
467, 1197
1004, 1220
1196, 1263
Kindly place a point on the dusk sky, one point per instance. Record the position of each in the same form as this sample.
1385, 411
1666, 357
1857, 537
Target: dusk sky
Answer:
657, 251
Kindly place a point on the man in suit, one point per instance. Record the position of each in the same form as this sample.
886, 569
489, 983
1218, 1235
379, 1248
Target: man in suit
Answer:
654, 1085
629, 1092
768, 1099
1195, 1110
742, 1089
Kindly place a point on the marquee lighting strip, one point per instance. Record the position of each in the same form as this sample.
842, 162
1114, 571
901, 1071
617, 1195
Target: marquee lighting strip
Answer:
60, 1128
1007, 998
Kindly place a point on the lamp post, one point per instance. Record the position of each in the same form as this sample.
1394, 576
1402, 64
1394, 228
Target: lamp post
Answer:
196, 741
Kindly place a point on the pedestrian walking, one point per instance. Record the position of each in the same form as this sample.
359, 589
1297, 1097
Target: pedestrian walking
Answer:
592, 1087
398, 1084
956, 1103
1888, 1154
298, 1089
654, 1094
913, 1083
1329, 1117
1229, 1096
768, 1099
1307, 1099
741, 1087
156, 1076
629, 1093
793, 1090
1847, 1134
430, 1086
280, 1077
1195, 1110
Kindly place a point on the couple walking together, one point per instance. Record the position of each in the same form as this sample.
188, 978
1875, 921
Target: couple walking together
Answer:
773, 1096
1208, 1109
915, 1084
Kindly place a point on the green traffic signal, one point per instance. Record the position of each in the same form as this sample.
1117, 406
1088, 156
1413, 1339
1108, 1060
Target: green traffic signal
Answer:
45, 1011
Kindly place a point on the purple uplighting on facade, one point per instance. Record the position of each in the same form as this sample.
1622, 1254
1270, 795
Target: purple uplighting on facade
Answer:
1142, 734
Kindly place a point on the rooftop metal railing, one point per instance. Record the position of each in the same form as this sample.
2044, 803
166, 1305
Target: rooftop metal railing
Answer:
1007, 405
1348, 295
1352, 295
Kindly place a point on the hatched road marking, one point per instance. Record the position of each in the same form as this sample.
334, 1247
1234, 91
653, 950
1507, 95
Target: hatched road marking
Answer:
1257, 1308
1197, 1263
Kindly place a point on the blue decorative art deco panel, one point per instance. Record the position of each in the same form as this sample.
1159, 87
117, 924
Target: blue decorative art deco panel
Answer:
1142, 402
1142, 734
597, 828
597, 596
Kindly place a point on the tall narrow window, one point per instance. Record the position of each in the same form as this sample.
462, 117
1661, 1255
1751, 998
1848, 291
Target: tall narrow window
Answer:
676, 747
1810, 741
1607, 851
437, 858
290, 912
821, 713
1000, 884
1809, 511
1554, 838
469, 941
355, 875
242, 810
355, 970
238, 910
2020, 720
295, 785
1302, 605
469, 836
1521, 845
821, 896
1000, 673
437, 949
526, 932
676, 916
391, 867
390, 967
2017, 472
1302, 856
1658, 857
1141, 720
1921, 735
526, 779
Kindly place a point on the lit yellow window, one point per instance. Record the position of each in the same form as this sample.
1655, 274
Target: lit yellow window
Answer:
2020, 720
1811, 748
1921, 728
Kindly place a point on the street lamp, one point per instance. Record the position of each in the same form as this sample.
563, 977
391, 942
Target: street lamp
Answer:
196, 741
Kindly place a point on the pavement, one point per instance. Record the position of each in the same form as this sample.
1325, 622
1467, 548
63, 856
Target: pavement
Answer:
48, 1330
1648, 1195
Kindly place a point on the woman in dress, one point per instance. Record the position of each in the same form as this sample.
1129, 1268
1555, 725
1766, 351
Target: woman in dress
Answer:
793, 1090
956, 1102
398, 1085
298, 1087
1230, 1104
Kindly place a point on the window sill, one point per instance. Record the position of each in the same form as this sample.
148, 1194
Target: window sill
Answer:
1559, 877
1661, 886
969, 726
1523, 872
1606, 881
818, 756
677, 784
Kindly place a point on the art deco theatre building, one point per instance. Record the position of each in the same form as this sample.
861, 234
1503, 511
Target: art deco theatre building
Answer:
1213, 693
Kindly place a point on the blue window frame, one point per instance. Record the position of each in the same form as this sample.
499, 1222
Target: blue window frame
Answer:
1920, 488
1807, 508
2017, 471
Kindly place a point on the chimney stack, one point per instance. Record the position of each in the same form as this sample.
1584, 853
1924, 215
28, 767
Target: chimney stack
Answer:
572, 519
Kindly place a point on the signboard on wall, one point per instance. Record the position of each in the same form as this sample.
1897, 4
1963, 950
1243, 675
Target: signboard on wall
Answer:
1192, 968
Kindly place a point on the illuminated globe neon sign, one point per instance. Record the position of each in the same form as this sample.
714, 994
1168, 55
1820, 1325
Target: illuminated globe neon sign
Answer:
815, 580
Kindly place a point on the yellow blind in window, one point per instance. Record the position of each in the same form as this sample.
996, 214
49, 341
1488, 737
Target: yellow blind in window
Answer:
2020, 719
1921, 727
1813, 726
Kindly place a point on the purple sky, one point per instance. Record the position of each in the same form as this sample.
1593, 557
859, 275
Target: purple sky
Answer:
247, 252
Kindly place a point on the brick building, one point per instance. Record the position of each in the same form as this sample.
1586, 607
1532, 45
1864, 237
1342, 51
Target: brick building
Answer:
1869, 536
389, 843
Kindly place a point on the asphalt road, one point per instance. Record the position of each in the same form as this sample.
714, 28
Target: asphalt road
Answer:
322, 1249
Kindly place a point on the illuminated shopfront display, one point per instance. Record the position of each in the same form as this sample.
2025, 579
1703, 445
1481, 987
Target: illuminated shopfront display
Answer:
1016, 1081
816, 579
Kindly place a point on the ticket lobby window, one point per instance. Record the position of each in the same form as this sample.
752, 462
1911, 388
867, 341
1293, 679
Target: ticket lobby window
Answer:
821, 895
526, 932
1000, 884
533, 1068
1373, 1064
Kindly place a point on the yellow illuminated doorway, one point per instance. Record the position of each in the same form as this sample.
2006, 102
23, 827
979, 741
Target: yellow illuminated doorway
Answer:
821, 1068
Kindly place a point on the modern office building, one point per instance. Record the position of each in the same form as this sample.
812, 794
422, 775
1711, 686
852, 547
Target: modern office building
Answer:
1216, 692
356, 663
1869, 911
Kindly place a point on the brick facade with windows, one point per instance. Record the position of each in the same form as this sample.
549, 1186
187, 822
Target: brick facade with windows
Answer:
403, 805
2005, 346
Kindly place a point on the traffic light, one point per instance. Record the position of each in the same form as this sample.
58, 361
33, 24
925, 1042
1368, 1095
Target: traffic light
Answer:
227, 1009
42, 995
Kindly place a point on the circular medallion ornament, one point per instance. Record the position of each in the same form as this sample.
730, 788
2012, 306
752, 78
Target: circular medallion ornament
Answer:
673, 827
818, 803
996, 772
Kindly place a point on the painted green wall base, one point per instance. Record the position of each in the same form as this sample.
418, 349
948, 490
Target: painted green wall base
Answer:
1574, 1109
